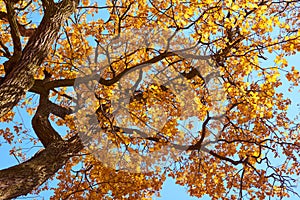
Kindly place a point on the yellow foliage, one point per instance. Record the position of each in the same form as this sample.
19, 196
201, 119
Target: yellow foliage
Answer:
168, 80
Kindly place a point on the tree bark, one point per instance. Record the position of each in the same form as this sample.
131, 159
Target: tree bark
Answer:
25, 177
20, 79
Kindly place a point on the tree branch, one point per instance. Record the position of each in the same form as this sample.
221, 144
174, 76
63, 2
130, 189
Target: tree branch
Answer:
15, 34
41, 124
23, 178
22, 30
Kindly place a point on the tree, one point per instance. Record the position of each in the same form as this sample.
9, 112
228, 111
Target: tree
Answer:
156, 89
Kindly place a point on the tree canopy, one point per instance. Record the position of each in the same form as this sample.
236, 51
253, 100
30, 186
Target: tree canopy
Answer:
148, 90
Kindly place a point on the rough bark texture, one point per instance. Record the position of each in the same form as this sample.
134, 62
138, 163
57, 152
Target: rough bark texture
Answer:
23, 178
20, 78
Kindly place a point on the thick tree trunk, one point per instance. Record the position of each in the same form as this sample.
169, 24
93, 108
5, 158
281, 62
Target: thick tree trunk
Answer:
20, 79
23, 178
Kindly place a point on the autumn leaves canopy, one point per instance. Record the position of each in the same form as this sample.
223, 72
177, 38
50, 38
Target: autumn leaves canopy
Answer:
150, 89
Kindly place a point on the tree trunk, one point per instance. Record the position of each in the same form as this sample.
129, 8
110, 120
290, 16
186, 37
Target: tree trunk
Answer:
25, 177
20, 79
